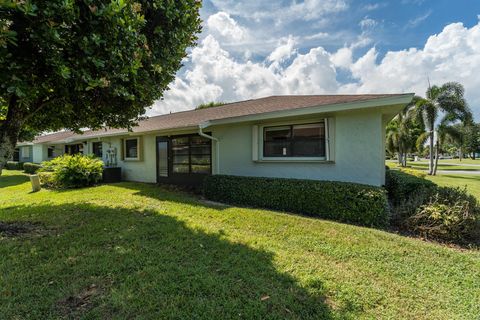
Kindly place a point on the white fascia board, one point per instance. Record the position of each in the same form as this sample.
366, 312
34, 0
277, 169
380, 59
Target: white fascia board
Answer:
373, 103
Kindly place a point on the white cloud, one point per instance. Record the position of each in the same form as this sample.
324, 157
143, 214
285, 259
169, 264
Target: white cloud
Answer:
316, 36
367, 23
452, 55
284, 51
221, 24
213, 74
412, 23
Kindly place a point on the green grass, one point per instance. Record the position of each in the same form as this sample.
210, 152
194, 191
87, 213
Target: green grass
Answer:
471, 182
132, 250
424, 166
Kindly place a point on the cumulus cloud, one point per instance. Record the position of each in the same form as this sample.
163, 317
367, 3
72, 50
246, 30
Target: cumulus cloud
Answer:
221, 24
213, 74
367, 23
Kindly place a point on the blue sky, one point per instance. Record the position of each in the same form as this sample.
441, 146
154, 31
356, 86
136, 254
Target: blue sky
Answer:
249, 49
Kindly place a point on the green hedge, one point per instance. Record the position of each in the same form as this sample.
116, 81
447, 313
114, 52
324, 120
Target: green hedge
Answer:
14, 165
345, 202
421, 207
402, 186
31, 168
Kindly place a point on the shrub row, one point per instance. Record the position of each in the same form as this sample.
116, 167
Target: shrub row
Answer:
31, 168
14, 165
345, 202
440, 213
71, 171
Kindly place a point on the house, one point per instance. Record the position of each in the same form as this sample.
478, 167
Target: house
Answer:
323, 137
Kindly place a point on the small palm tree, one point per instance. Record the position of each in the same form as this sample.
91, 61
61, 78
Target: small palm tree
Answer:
447, 101
402, 133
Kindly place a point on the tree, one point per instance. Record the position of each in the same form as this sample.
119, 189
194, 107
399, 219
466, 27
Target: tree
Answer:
471, 139
91, 63
446, 101
209, 105
402, 134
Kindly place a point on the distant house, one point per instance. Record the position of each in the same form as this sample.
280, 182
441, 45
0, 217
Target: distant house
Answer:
322, 137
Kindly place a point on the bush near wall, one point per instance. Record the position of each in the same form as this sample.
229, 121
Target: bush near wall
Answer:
345, 202
31, 168
14, 165
440, 213
71, 171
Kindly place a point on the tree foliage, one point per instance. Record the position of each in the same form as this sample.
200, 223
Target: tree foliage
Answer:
91, 63
209, 105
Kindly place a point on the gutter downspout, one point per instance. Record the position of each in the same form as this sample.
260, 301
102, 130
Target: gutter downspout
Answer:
202, 126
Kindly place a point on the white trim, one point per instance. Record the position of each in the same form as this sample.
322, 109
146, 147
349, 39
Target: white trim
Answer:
217, 145
327, 140
125, 158
260, 139
255, 143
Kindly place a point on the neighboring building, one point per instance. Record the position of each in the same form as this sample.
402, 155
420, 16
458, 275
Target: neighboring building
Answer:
322, 137
23, 152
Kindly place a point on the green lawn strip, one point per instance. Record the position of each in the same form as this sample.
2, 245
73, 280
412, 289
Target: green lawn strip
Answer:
142, 251
471, 182
424, 166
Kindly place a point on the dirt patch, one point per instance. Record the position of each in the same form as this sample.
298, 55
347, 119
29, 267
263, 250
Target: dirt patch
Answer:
14, 229
73, 307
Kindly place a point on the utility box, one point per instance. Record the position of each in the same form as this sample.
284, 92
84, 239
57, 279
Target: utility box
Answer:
35, 180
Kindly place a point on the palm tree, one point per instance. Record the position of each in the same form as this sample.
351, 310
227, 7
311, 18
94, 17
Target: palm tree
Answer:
446, 101
402, 133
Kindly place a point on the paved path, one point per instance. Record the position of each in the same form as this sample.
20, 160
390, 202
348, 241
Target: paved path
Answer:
452, 164
458, 172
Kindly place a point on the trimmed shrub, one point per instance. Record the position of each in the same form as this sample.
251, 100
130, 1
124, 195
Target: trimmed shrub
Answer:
345, 202
31, 168
441, 213
450, 215
71, 171
14, 165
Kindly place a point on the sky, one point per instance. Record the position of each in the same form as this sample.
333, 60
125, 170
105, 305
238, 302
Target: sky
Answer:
254, 48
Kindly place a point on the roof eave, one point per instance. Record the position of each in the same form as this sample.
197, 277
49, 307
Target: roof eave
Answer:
403, 99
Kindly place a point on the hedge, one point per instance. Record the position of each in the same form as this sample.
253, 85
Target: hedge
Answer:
14, 165
345, 202
441, 213
31, 168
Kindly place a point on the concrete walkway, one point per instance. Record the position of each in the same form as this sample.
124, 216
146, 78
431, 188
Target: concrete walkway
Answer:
474, 172
451, 164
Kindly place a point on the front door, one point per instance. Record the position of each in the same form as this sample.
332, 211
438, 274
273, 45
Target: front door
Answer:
183, 159
162, 159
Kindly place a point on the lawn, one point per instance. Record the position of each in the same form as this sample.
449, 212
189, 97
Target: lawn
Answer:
441, 166
471, 182
133, 250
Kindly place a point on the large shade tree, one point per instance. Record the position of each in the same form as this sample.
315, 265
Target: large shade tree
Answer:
87, 63
442, 106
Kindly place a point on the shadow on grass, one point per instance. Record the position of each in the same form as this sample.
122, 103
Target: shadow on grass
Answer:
120, 263
12, 180
465, 177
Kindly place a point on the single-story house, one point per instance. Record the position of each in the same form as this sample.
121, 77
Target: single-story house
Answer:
322, 137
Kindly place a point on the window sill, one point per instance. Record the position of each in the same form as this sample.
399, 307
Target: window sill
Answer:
131, 159
286, 160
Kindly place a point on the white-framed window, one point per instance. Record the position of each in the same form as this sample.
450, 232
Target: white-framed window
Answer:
25, 152
292, 141
131, 149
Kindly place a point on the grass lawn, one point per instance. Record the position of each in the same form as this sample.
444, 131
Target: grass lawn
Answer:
471, 182
424, 166
133, 250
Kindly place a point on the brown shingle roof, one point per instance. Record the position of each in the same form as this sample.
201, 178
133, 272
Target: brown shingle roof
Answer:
243, 108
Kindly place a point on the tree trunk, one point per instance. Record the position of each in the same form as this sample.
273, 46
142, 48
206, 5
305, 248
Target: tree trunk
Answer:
437, 147
400, 155
9, 130
430, 163
460, 154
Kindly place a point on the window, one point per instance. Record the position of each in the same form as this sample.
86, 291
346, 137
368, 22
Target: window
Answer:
74, 148
51, 152
131, 148
97, 149
191, 154
302, 140
25, 152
